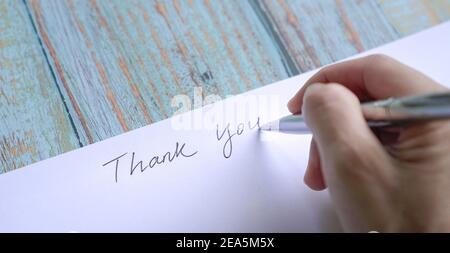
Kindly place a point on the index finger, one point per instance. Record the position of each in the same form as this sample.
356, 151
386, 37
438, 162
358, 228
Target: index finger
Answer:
371, 77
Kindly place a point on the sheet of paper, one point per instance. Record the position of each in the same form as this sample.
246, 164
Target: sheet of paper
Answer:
186, 174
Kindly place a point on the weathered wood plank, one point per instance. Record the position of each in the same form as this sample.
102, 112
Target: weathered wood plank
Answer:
316, 33
410, 16
121, 62
33, 122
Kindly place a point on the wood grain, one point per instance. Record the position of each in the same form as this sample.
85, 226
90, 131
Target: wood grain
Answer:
316, 33
410, 16
34, 124
121, 62
73, 72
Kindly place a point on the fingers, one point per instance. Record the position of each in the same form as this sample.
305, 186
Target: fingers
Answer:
371, 77
313, 175
348, 73
339, 129
422, 143
353, 162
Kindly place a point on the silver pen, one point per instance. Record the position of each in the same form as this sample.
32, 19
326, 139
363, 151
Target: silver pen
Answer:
383, 113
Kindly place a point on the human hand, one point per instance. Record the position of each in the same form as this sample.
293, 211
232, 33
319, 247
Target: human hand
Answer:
394, 180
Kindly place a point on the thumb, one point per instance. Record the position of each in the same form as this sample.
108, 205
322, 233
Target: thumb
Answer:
353, 162
334, 115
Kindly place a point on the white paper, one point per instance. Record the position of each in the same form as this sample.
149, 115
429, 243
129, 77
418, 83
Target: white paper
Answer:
259, 188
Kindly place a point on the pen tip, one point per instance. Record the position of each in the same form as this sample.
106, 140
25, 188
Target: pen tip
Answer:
271, 126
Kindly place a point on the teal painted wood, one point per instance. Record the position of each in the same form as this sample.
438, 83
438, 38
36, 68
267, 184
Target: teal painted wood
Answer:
316, 33
119, 63
410, 16
33, 122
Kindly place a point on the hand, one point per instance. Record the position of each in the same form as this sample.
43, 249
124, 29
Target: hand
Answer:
395, 180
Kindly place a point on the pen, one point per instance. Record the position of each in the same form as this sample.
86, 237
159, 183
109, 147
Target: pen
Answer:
383, 113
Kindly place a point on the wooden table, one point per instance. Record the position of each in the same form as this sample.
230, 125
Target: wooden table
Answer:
74, 72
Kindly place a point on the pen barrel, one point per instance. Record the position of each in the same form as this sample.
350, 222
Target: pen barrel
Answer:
384, 113
407, 110
293, 124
